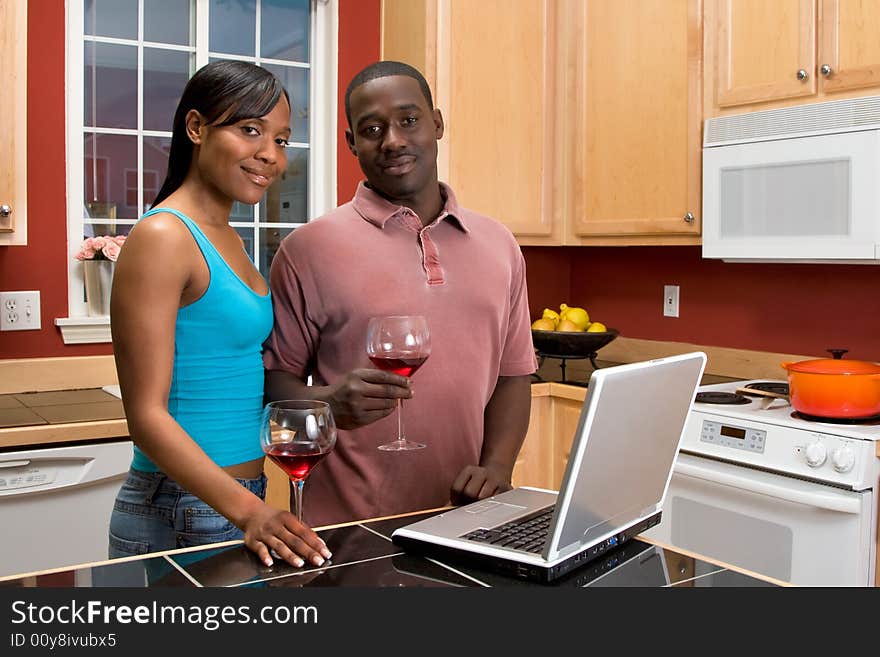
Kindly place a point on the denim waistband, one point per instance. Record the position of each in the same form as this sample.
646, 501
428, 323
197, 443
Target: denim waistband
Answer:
159, 482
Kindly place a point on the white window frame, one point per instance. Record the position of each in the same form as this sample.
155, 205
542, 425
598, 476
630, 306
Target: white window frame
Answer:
78, 327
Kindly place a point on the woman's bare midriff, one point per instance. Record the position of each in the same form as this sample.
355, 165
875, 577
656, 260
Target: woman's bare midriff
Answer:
246, 470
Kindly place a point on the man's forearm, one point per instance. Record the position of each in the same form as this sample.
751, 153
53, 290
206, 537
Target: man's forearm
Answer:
506, 421
284, 385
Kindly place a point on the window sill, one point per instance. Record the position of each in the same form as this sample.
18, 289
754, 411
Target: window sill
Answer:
84, 330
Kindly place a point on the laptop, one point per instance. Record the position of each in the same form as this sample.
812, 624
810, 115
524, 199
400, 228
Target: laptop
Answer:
618, 471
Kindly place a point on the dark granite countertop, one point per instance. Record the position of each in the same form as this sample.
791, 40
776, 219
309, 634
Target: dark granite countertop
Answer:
364, 556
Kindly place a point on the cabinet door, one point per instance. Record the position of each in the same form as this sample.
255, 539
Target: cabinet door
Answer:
636, 132
533, 465
763, 50
849, 56
566, 415
13, 119
495, 86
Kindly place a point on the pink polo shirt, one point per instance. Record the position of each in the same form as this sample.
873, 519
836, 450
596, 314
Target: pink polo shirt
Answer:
465, 273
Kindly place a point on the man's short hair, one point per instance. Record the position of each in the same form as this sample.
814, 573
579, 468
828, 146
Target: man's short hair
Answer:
383, 69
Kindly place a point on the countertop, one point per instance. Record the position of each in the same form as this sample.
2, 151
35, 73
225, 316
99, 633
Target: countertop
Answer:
364, 556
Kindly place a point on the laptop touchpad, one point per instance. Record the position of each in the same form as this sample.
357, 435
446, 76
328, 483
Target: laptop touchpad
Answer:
492, 510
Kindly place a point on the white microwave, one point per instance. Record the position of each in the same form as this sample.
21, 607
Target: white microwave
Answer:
798, 184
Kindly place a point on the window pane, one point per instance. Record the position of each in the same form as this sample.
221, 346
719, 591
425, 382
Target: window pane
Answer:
107, 158
155, 166
111, 18
165, 75
247, 236
232, 27
110, 83
241, 212
111, 228
286, 201
284, 29
169, 21
296, 81
270, 239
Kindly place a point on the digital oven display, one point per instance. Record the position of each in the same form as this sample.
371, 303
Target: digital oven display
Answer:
733, 432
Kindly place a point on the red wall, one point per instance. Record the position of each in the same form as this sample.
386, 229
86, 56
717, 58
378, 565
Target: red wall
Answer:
42, 264
796, 308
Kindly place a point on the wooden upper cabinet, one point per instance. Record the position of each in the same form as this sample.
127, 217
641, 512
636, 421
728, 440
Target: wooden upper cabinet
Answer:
849, 49
763, 55
13, 119
573, 122
636, 130
492, 72
764, 50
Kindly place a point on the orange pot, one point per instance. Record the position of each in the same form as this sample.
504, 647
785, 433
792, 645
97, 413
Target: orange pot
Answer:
834, 388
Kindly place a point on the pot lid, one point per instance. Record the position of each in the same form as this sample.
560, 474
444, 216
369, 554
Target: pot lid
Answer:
833, 366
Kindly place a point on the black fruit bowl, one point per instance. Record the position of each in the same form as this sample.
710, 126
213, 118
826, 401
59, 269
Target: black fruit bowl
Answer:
571, 344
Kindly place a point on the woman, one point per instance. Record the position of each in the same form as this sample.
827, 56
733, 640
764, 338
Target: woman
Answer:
189, 315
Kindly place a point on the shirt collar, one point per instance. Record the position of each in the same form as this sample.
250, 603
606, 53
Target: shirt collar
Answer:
378, 210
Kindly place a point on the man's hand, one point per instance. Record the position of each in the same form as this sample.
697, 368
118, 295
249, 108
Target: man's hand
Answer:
476, 482
366, 395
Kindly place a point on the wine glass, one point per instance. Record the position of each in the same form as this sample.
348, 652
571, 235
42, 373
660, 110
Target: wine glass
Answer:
399, 344
296, 435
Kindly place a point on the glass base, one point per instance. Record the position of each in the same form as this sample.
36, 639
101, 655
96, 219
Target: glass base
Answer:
401, 446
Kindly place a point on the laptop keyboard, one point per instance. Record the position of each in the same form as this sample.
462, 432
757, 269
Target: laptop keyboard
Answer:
528, 533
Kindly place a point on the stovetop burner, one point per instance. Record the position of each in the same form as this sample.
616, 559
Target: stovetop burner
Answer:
776, 387
716, 397
854, 421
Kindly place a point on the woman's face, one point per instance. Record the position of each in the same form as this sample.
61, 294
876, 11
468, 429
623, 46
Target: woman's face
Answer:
241, 160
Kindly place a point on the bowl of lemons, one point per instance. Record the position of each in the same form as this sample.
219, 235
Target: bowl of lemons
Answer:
569, 333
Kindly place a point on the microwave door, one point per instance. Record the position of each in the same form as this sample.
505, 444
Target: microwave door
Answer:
809, 198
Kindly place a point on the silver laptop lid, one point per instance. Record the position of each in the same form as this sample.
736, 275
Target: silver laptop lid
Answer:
624, 448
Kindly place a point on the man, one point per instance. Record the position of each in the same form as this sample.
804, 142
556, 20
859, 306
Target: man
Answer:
403, 246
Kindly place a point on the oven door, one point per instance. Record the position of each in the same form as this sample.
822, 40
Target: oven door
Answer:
796, 531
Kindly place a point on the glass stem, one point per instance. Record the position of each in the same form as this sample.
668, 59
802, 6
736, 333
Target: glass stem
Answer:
400, 436
298, 497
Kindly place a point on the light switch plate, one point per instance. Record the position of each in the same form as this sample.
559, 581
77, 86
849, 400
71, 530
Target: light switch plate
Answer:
20, 311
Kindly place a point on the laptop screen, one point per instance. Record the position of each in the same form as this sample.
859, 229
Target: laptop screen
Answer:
625, 446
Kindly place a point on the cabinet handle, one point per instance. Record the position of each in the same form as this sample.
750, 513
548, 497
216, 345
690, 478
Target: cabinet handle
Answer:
5, 211
826, 70
689, 218
802, 75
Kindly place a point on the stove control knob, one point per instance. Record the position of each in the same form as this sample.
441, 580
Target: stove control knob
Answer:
843, 459
815, 454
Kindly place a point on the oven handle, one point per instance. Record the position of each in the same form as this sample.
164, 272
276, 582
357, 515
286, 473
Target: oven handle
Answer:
829, 501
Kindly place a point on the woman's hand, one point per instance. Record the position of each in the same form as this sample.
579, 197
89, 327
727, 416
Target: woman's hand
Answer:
273, 529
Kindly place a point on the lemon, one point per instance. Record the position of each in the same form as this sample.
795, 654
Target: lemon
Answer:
551, 315
568, 326
544, 324
579, 316
596, 327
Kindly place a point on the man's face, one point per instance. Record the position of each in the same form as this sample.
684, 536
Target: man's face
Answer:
394, 136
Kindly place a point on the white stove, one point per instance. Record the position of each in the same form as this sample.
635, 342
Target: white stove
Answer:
767, 433
774, 493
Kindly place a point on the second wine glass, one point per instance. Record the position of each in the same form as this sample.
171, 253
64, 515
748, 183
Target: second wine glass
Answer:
296, 435
399, 344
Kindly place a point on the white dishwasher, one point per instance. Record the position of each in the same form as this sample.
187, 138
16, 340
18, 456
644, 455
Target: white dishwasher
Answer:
55, 503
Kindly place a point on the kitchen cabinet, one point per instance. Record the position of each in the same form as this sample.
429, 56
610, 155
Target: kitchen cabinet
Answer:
761, 55
13, 118
576, 123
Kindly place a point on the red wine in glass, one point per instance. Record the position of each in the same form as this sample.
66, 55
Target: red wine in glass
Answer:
296, 460
404, 365
399, 344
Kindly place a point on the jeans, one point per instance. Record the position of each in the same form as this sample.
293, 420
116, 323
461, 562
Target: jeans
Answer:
153, 513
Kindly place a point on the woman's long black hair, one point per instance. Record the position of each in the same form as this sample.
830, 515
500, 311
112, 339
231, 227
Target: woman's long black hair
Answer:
224, 93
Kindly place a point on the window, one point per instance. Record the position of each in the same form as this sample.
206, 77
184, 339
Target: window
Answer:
128, 62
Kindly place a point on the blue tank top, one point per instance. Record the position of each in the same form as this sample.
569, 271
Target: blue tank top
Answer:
217, 384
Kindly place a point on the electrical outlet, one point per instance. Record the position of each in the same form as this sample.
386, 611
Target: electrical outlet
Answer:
670, 300
19, 311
